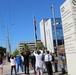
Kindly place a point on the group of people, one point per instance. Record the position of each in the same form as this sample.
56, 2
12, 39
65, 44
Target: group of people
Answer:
50, 61
37, 58
22, 61
39, 62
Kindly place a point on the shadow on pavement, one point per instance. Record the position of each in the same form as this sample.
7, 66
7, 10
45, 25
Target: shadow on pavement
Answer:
15, 74
20, 74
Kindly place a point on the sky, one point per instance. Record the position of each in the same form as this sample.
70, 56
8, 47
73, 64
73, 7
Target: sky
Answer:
17, 16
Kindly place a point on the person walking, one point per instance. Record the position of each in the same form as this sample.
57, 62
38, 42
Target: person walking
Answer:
19, 62
1, 65
13, 65
47, 60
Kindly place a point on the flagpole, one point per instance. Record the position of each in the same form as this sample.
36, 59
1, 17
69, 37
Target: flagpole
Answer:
34, 23
56, 40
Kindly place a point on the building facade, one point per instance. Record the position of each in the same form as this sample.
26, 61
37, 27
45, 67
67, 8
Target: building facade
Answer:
47, 33
42, 31
31, 45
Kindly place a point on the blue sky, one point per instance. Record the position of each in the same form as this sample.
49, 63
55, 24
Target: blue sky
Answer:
17, 15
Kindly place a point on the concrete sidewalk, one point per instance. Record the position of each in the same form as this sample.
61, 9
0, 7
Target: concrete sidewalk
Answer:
57, 73
7, 70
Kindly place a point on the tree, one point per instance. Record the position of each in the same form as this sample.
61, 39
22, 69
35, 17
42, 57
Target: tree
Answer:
2, 51
40, 46
16, 52
25, 47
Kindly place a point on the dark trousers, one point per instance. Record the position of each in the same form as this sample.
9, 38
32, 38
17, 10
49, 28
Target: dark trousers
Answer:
26, 66
49, 67
33, 65
13, 67
56, 67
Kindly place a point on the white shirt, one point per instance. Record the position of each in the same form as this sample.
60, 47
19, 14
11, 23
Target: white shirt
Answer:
38, 60
12, 62
22, 58
47, 57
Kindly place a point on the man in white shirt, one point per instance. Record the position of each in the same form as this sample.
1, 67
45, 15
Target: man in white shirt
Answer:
47, 60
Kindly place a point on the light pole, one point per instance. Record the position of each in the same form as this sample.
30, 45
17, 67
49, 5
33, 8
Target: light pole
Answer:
56, 41
53, 13
7, 39
8, 42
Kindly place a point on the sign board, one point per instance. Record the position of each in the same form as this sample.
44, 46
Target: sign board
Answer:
68, 14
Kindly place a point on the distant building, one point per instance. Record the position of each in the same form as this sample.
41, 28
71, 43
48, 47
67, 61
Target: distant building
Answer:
48, 34
31, 45
42, 31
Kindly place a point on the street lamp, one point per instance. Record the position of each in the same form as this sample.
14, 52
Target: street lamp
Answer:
53, 13
8, 42
56, 41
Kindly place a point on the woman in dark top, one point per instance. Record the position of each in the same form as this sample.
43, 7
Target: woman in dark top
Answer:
1, 65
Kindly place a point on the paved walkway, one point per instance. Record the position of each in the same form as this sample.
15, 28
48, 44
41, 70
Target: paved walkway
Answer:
6, 70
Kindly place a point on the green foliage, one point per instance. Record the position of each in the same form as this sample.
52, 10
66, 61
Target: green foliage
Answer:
16, 52
2, 51
40, 46
25, 47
